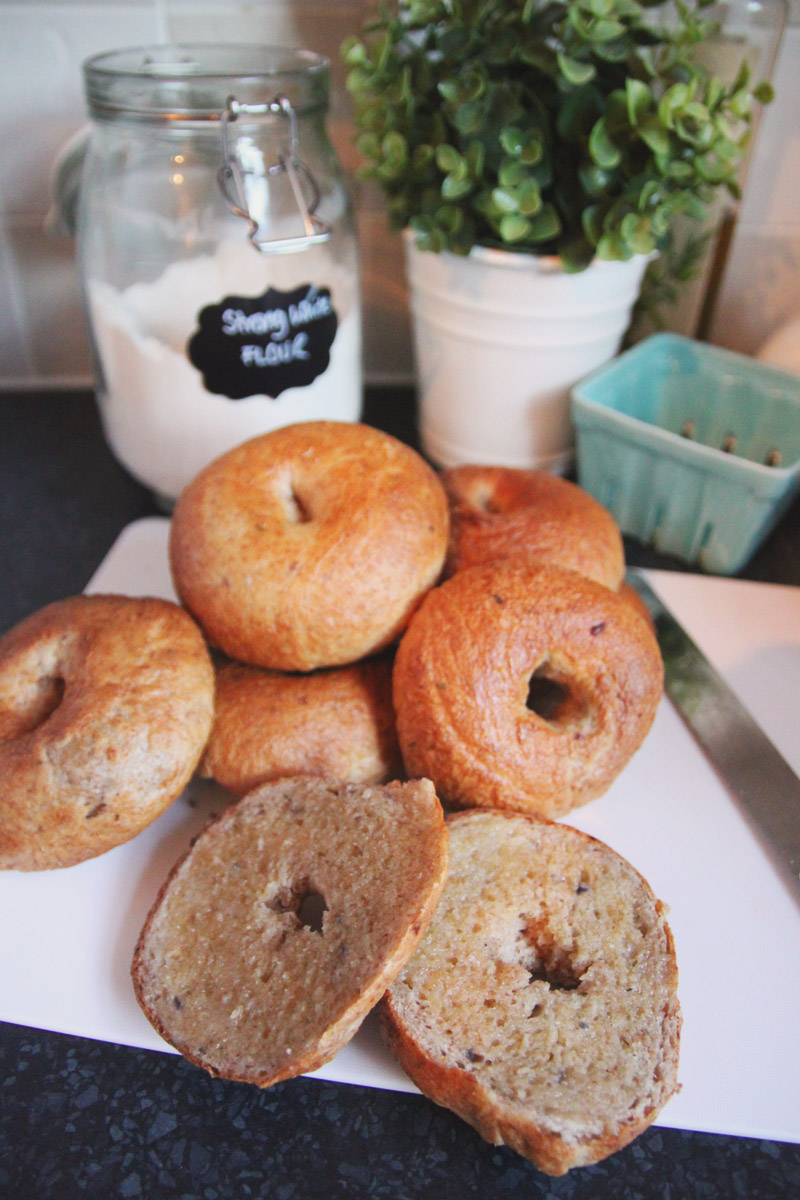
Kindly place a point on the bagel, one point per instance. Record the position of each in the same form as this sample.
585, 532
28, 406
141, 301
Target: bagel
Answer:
337, 723
504, 512
541, 1004
105, 706
286, 921
524, 686
309, 546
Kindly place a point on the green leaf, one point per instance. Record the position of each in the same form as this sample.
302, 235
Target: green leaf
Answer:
510, 172
450, 218
611, 248
529, 198
575, 71
639, 100
601, 147
475, 157
605, 31
512, 140
546, 225
592, 221
594, 180
637, 233
532, 152
653, 133
448, 159
449, 89
353, 52
455, 186
395, 148
513, 228
504, 200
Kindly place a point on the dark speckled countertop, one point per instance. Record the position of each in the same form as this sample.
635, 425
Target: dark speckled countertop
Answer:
87, 1119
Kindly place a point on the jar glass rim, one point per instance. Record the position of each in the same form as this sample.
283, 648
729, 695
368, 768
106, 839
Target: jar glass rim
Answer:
193, 81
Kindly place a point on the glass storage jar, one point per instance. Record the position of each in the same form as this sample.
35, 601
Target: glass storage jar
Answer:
218, 253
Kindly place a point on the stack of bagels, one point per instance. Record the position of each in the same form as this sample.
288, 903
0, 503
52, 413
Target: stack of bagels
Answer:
404, 678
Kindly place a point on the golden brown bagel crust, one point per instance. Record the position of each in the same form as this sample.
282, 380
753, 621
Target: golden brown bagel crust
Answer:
105, 706
501, 512
309, 546
485, 657
541, 1004
337, 723
227, 968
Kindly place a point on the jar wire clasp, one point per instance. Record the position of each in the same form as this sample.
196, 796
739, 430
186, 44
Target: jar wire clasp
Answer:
231, 178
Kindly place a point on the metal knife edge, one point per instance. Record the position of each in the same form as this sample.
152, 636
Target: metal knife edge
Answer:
756, 773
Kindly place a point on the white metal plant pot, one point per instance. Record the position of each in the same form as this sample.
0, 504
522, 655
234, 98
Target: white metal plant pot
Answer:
500, 338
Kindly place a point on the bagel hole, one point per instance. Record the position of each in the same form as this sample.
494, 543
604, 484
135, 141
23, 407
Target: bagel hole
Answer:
559, 980
544, 959
296, 509
39, 706
302, 901
300, 512
555, 698
545, 695
486, 502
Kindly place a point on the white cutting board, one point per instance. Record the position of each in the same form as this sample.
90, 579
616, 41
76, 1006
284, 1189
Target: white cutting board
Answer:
66, 937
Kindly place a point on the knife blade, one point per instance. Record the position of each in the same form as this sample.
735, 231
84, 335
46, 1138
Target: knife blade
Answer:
759, 777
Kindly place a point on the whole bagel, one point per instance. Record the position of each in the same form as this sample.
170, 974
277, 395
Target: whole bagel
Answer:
524, 687
269, 725
105, 706
309, 546
504, 512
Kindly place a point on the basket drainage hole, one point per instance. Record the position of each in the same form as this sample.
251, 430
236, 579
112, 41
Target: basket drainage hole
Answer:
702, 545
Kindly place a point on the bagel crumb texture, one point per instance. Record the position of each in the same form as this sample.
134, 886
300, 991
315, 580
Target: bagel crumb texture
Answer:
541, 1005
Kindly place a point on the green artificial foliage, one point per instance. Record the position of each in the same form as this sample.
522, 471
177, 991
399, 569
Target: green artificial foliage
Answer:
580, 128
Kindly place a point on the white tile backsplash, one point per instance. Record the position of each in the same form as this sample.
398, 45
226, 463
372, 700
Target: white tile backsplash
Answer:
41, 87
42, 47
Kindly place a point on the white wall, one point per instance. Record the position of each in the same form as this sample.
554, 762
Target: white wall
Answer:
42, 45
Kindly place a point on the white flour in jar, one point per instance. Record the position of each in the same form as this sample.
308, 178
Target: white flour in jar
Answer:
160, 420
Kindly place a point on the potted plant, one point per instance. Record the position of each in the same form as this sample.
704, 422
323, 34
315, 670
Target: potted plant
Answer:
537, 154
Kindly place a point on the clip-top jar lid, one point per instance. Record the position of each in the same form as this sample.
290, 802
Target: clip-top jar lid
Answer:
187, 82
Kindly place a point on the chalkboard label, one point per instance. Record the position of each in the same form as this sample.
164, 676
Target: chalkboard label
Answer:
262, 345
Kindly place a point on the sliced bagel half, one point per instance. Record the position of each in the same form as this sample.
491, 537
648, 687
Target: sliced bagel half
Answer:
286, 921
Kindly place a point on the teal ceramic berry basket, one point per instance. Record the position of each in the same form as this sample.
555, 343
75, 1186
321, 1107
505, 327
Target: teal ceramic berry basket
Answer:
694, 449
